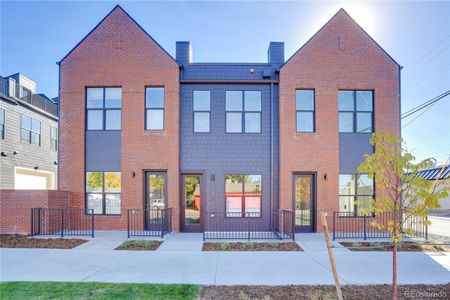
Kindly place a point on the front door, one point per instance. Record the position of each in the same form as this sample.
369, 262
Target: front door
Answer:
191, 203
304, 202
155, 199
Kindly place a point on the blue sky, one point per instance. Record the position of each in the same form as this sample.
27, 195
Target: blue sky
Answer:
35, 35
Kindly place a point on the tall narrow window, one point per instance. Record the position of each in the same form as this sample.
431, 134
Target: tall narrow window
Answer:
103, 192
2, 123
54, 138
154, 104
243, 194
103, 108
305, 107
355, 193
156, 191
355, 111
243, 111
30, 130
202, 111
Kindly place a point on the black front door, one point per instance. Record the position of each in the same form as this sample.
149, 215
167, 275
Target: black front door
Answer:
155, 199
191, 203
304, 191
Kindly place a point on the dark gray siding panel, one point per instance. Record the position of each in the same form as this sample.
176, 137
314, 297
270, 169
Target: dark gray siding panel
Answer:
226, 71
352, 147
103, 150
218, 153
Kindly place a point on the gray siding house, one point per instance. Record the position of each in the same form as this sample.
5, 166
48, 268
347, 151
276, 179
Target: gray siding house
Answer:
28, 136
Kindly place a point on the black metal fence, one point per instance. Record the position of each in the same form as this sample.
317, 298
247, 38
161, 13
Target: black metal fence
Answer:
249, 226
149, 222
62, 221
347, 225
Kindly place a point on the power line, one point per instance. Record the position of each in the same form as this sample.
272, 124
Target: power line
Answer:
426, 104
418, 115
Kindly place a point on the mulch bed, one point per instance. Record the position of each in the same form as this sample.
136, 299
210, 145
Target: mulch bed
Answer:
140, 245
291, 292
252, 246
23, 241
388, 246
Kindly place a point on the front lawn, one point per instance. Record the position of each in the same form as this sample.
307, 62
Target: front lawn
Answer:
144, 245
252, 246
24, 241
402, 246
93, 290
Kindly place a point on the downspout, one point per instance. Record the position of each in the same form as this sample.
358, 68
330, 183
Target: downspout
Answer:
271, 152
58, 125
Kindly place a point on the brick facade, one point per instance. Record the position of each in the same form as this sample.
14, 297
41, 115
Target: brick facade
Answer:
15, 207
340, 56
119, 53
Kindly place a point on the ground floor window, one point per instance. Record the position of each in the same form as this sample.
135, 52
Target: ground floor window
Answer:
243, 195
103, 192
355, 193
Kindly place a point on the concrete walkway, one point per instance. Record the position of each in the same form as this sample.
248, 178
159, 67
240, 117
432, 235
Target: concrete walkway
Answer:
181, 261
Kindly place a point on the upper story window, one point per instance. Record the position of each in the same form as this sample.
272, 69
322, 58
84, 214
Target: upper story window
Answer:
103, 192
243, 111
54, 138
154, 108
30, 130
355, 193
305, 110
104, 107
202, 111
2, 123
355, 111
243, 194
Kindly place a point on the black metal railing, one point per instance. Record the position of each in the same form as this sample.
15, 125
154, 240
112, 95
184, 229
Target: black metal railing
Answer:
21, 93
62, 221
249, 225
347, 225
149, 222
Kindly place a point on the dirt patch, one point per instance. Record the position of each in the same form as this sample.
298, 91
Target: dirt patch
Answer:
388, 246
140, 245
297, 292
252, 246
23, 241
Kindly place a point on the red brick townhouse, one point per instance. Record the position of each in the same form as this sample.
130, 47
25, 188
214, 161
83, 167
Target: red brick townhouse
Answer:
224, 145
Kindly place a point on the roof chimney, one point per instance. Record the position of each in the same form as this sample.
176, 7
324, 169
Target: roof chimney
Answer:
183, 52
275, 53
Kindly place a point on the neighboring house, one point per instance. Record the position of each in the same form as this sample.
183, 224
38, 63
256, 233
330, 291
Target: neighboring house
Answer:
443, 181
139, 128
28, 136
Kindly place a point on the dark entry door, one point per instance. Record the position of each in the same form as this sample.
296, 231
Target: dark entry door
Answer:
304, 201
155, 199
191, 203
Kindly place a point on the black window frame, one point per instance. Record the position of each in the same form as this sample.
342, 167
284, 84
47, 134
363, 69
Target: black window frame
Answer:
243, 112
355, 112
194, 111
355, 196
2, 125
30, 131
243, 213
103, 193
155, 108
103, 109
313, 111
53, 141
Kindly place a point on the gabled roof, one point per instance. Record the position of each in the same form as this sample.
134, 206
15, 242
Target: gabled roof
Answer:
117, 7
340, 12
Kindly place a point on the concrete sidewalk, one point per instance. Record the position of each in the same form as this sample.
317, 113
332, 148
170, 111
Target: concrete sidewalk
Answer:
219, 268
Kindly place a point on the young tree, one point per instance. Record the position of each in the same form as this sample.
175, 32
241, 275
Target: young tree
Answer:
402, 193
